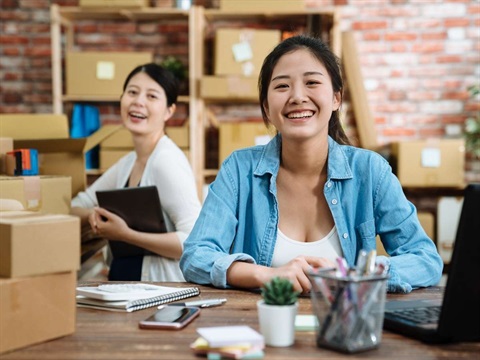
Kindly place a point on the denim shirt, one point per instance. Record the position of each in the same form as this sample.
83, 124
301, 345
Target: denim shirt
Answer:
239, 218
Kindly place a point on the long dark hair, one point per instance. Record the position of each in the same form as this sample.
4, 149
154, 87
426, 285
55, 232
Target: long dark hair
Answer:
162, 76
323, 53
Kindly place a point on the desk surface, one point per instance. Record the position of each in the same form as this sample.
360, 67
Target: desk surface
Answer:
115, 335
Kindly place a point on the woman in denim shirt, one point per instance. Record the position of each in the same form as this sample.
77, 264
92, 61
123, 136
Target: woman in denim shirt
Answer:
307, 196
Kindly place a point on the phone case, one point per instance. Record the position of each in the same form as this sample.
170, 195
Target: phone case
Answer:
176, 324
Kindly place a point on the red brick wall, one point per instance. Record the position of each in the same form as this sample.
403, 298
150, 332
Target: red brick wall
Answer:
417, 57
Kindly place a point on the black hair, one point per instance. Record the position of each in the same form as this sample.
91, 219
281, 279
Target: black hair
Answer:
322, 52
162, 76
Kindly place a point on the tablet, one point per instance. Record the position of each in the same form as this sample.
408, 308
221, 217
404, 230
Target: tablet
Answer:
140, 208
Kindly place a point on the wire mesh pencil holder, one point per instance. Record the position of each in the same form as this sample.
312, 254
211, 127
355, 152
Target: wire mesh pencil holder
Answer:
349, 310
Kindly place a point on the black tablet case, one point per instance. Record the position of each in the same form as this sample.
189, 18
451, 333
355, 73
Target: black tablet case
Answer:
140, 208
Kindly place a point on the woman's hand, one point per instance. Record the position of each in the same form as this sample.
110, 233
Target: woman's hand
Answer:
106, 224
296, 271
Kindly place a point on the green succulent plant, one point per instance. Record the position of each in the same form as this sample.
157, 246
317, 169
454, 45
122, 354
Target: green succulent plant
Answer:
472, 128
279, 291
176, 67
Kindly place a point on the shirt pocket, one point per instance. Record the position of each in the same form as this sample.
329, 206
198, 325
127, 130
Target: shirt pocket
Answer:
366, 232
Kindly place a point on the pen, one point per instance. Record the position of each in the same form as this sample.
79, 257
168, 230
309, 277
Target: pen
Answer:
201, 303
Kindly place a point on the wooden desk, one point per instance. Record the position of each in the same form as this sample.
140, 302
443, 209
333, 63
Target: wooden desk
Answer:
115, 335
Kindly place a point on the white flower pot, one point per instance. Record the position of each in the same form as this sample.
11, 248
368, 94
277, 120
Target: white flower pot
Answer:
277, 323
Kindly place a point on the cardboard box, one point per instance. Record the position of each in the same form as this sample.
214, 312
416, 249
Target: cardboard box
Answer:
232, 88
34, 244
262, 5
430, 163
108, 157
114, 3
242, 51
100, 73
179, 135
44, 193
58, 154
36, 309
237, 135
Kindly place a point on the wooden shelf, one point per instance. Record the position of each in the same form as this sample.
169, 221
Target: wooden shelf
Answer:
85, 98
142, 14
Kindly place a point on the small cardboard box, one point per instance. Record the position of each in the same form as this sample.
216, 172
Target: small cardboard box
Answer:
114, 3
179, 135
232, 87
430, 163
242, 51
108, 157
36, 309
262, 5
34, 244
44, 193
237, 135
100, 73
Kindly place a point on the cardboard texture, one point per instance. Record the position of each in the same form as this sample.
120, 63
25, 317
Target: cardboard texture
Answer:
114, 3
33, 243
430, 163
108, 157
231, 87
242, 51
100, 73
237, 135
6, 145
36, 309
34, 126
44, 193
363, 115
179, 135
262, 5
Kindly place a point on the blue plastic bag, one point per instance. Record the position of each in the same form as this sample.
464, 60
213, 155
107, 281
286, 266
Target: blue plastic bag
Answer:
85, 121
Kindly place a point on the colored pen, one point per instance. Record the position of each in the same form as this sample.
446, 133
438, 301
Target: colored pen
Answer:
202, 303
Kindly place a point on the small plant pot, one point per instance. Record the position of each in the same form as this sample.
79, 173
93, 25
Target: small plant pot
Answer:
277, 323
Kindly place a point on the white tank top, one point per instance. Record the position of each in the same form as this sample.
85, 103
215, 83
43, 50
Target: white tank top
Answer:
287, 249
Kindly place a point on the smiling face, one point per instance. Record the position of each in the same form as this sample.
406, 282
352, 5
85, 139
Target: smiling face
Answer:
300, 98
143, 106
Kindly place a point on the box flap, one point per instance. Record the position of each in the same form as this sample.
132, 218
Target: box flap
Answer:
52, 145
34, 126
101, 134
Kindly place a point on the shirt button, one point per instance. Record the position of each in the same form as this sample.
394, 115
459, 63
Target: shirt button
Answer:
334, 201
329, 184
345, 235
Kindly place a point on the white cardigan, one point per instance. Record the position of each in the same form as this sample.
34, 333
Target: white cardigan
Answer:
169, 170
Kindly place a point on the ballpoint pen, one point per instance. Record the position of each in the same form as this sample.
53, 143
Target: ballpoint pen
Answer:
200, 303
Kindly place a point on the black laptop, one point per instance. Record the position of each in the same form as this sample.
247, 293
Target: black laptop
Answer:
140, 208
457, 317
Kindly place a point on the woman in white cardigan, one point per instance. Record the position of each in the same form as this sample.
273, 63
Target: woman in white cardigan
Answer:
148, 101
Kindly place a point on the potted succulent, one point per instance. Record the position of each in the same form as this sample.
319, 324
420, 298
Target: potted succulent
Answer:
277, 311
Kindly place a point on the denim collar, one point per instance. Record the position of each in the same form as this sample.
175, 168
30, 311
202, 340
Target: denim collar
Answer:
338, 167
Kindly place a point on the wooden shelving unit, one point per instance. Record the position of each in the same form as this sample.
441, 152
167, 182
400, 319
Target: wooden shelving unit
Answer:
200, 21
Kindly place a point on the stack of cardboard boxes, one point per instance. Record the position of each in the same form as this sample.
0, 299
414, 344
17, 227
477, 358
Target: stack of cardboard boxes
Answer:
39, 254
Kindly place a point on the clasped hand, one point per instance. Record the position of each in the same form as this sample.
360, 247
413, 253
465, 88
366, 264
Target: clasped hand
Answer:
108, 225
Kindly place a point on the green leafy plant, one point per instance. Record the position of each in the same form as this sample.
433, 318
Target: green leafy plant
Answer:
279, 291
472, 128
176, 67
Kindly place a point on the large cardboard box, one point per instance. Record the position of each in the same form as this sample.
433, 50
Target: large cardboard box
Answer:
262, 5
33, 243
237, 135
242, 51
231, 87
36, 309
44, 193
114, 3
100, 73
58, 154
430, 163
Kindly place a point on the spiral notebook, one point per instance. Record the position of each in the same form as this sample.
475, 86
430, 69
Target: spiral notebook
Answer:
94, 297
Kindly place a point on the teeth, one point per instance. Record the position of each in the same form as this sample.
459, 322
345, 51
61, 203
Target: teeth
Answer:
298, 115
137, 115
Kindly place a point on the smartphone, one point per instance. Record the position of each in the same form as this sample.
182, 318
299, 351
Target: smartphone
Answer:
171, 317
